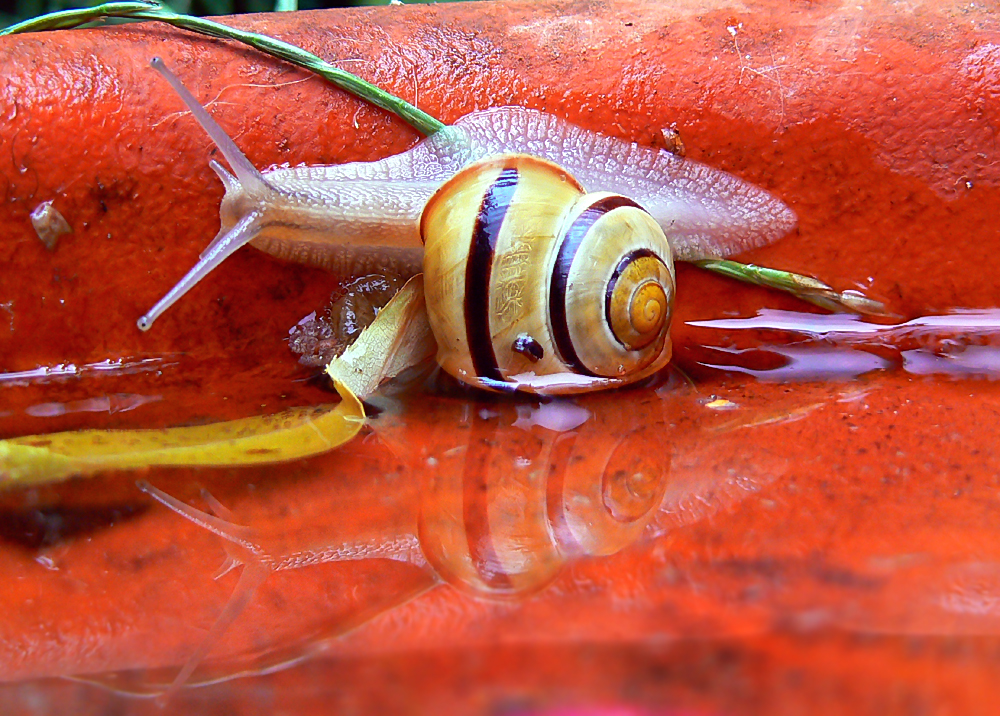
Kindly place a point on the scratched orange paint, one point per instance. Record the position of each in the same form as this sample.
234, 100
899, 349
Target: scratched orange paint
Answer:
839, 548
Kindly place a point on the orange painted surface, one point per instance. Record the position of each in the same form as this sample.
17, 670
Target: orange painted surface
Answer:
814, 544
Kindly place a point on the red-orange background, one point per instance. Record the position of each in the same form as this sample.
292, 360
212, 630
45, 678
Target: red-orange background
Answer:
875, 122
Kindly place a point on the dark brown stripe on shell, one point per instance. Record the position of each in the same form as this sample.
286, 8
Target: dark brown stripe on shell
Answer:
560, 277
478, 271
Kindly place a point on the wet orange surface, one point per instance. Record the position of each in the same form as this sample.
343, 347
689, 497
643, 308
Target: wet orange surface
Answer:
815, 529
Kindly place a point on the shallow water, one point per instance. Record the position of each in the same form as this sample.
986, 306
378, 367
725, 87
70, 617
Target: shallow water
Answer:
720, 508
959, 344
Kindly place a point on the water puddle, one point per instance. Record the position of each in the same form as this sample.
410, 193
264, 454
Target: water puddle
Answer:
65, 371
960, 344
795, 487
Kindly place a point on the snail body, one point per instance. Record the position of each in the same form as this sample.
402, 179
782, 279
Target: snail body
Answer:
329, 216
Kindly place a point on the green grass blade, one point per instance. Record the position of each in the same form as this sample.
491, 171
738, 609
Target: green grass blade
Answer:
64, 19
805, 288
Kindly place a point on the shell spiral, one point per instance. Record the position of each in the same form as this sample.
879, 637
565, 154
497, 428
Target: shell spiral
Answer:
534, 285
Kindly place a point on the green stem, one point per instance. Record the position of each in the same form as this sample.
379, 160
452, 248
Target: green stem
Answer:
805, 288
421, 121
68, 19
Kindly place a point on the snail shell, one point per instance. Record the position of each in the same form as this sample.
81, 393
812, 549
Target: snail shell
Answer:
533, 284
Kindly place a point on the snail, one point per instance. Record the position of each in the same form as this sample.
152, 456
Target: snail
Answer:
531, 282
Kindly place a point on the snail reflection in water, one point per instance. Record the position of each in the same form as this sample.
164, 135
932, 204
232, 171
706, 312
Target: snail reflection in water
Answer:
530, 281
496, 510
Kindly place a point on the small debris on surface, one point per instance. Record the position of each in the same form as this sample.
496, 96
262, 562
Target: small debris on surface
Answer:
49, 224
673, 141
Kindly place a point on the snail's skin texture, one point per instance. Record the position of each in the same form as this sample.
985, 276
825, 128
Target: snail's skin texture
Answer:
706, 213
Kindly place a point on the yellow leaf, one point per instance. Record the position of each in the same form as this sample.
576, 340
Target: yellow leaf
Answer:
398, 338
295, 433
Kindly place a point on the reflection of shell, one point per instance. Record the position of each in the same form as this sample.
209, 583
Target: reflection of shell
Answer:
494, 529
604, 516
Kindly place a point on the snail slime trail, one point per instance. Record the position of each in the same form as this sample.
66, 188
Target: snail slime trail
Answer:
523, 313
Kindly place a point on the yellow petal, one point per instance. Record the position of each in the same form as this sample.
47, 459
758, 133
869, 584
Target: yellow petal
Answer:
398, 338
292, 434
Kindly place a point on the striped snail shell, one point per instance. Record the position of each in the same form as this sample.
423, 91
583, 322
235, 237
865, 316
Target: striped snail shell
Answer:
533, 284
